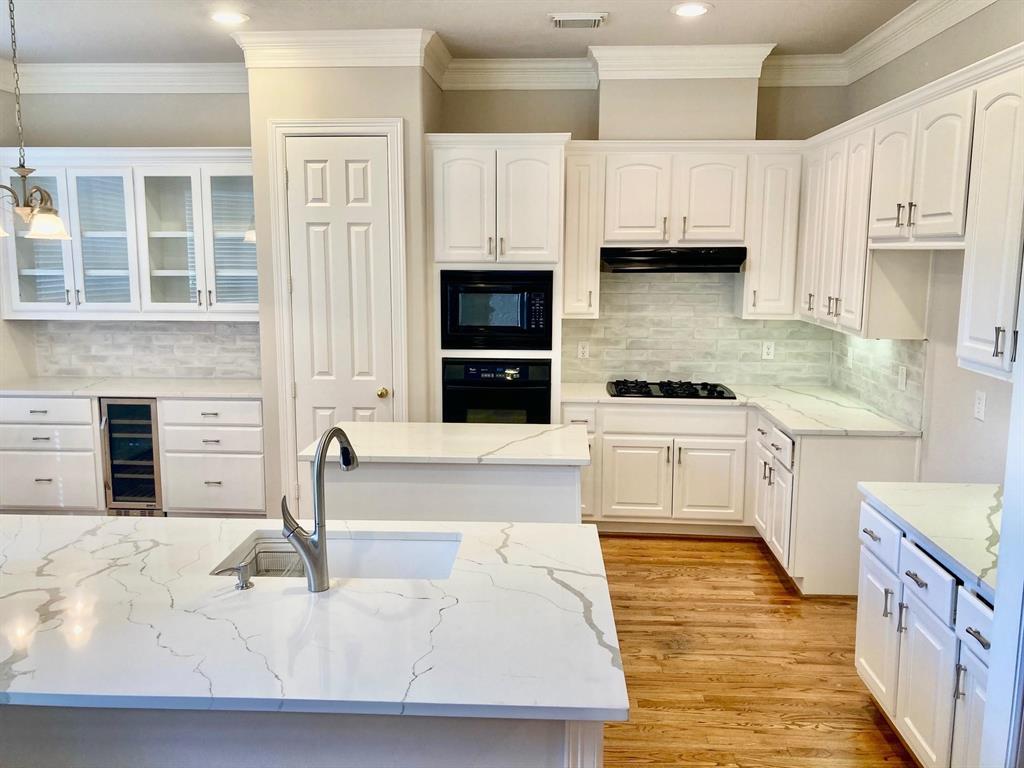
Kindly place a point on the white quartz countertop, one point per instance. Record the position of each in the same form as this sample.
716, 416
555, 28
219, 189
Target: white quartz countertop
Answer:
438, 443
123, 612
960, 521
66, 386
798, 410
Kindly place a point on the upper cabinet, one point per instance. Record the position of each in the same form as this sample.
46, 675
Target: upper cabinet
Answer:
148, 241
919, 175
809, 245
637, 189
987, 338
498, 199
584, 209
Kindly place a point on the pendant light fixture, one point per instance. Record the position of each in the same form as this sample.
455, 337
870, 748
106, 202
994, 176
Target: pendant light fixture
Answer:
35, 204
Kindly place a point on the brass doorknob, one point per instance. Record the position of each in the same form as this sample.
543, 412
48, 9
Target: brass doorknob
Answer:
383, 392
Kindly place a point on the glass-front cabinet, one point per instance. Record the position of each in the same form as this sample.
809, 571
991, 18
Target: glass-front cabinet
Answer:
231, 242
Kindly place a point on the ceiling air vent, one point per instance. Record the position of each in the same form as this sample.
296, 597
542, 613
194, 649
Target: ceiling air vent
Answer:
577, 20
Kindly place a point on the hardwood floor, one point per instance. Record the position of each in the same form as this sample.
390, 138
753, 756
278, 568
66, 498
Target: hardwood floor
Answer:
728, 666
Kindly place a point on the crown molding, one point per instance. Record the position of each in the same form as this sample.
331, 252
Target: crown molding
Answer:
126, 78
520, 75
678, 62
916, 24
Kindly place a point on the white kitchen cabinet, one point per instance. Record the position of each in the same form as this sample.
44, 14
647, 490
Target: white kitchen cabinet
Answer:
969, 712
636, 476
830, 254
987, 336
637, 205
879, 593
762, 508
708, 197
530, 185
924, 694
769, 280
811, 231
464, 180
707, 481
848, 303
584, 195
588, 481
216, 482
781, 516
919, 179
231, 276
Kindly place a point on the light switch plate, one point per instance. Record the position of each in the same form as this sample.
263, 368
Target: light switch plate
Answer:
583, 350
901, 378
767, 350
979, 405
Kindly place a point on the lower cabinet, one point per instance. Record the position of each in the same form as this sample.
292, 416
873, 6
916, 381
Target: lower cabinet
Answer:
200, 482
877, 656
971, 684
48, 480
780, 518
636, 476
588, 482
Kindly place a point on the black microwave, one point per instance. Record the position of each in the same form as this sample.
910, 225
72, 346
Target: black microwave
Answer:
496, 309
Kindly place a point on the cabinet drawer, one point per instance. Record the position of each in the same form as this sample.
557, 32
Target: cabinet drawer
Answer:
45, 437
242, 413
932, 584
45, 410
974, 624
782, 446
580, 414
213, 439
695, 420
763, 427
880, 537
213, 481
48, 480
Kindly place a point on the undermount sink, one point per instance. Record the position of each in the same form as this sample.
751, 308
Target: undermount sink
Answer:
353, 555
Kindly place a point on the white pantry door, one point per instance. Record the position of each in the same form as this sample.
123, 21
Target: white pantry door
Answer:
339, 242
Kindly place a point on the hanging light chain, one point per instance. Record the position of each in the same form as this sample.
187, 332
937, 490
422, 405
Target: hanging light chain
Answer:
17, 86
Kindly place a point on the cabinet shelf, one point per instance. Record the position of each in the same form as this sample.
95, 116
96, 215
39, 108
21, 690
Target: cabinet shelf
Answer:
236, 273
172, 273
41, 272
106, 273
102, 234
170, 233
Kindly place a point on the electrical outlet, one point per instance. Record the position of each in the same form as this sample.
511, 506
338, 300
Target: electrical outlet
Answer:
901, 379
767, 350
583, 350
979, 405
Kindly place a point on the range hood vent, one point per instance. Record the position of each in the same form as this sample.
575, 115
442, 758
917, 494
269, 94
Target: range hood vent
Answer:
672, 259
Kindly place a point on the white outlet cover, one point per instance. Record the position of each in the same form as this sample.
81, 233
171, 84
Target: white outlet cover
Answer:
979, 405
767, 350
583, 350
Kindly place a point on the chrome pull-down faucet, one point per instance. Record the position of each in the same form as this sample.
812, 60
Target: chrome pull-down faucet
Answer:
312, 547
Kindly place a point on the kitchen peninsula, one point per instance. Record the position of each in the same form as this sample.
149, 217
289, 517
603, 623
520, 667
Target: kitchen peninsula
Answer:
120, 648
434, 471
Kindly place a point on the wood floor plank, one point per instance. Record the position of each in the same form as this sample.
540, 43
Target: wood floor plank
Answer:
728, 667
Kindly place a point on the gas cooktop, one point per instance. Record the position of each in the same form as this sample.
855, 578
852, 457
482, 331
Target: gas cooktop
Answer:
688, 390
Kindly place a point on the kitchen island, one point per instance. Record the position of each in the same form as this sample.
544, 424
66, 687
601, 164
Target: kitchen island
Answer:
119, 648
435, 471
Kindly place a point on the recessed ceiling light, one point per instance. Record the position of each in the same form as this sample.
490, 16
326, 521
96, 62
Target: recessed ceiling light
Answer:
691, 10
229, 17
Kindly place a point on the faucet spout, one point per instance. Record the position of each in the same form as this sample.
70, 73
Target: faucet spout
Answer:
312, 547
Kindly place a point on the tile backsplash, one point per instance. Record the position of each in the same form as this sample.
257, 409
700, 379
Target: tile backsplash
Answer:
682, 326
869, 370
176, 349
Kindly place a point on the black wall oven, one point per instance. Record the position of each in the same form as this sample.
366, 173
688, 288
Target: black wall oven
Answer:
496, 310
496, 391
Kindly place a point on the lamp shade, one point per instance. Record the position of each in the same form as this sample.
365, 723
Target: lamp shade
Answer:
47, 225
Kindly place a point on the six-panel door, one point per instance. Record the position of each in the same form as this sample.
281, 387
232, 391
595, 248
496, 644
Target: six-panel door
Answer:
892, 177
879, 592
637, 189
465, 228
708, 197
707, 481
529, 200
636, 476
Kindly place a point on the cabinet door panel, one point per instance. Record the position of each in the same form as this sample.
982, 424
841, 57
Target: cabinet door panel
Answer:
773, 203
809, 250
924, 692
529, 204
833, 204
464, 204
995, 213
879, 592
589, 481
584, 188
892, 172
849, 303
708, 479
943, 146
636, 476
968, 720
781, 482
763, 492
231, 284
637, 198
709, 197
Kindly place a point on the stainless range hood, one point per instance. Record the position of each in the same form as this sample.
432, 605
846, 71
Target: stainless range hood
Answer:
672, 259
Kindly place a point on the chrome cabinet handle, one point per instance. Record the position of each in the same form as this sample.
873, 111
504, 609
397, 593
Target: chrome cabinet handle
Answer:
996, 351
199, 298
44, 479
910, 213
209, 413
828, 312
209, 297
78, 296
41, 411
899, 215
683, 238
664, 227
590, 299
41, 438
579, 421
982, 640
901, 625
1013, 354
921, 583
668, 454
764, 469
67, 296
810, 302
679, 455
771, 475
755, 298
871, 535
958, 682
886, 609
211, 442
762, 432
835, 309
776, 446
490, 245
501, 246
212, 482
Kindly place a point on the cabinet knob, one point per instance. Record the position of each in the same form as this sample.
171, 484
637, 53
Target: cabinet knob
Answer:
383, 392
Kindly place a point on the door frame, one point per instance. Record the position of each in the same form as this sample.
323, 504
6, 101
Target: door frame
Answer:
390, 128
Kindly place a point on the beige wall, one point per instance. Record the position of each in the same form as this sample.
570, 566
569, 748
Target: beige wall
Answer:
989, 31
17, 349
338, 94
957, 447
572, 112
678, 109
799, 113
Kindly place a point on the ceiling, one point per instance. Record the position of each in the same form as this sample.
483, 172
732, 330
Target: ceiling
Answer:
181, 31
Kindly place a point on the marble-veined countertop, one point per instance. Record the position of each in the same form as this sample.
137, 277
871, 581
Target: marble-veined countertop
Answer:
113, 386
438, 443
959, 520
123, 612
797, 410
